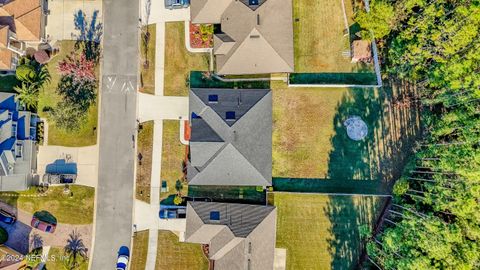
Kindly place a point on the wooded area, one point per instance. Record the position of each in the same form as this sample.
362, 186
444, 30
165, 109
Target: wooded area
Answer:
434, 219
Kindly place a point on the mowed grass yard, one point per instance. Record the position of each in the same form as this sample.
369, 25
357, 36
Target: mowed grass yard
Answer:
174, 255
144, 168
139, 250
59, 260
173, 152
319, 40
49, 98
147, 73
76, 209
179, 62
322, 232
310, 139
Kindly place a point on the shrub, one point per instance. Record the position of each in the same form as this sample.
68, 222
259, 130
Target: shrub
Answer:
3, 236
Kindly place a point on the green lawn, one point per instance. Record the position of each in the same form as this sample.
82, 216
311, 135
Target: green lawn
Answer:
58, 259
7, 83
322, 232
174, 255
319, 38
139, 250
310, 139
173, 152
76, 209
49, 98
144, 171
179, 62
147, 73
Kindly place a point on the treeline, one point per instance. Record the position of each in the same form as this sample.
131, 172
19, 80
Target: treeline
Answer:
434, 219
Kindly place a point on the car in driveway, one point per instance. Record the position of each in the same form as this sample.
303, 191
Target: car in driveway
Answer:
174, 4
6, 217
123, 257
172, 211
44, 221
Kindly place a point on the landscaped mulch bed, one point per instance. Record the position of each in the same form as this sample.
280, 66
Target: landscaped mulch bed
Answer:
201, 35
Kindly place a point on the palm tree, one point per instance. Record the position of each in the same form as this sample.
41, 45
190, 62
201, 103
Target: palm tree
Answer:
75, 249
27, 95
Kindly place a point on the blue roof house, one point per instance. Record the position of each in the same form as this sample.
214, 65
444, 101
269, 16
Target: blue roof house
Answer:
18, 162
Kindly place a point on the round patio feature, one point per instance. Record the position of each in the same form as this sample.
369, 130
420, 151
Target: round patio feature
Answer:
41, 57
356, 128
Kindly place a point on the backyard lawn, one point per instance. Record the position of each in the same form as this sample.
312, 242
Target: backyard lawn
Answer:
48, 99
179, 62
147, 75
319, 39
174, 255
173, 153
139, 250
76, 209
144, 168
322, 232
312, 142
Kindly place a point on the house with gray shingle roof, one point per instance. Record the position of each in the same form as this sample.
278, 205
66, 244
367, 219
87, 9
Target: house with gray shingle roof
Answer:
239, 236
252, 36
231, 137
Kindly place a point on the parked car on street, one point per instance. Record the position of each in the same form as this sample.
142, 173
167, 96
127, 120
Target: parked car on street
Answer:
172, 211
123, 257
44, 221
6, 217
174, 4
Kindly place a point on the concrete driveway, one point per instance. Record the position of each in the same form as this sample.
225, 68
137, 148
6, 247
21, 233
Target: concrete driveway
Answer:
85, 158
60, 22
24, 238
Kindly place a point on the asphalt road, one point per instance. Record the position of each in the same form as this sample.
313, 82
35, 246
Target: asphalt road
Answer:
113, 224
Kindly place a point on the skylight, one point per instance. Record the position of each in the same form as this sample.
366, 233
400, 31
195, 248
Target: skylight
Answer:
214, 215
212, 98
230, 115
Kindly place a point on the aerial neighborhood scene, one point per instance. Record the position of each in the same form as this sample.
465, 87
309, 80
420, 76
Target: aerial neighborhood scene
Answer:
239, 134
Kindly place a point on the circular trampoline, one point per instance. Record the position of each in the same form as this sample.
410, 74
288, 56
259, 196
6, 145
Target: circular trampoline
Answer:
356, 128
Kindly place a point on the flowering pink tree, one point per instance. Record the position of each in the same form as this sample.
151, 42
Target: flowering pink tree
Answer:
78, 67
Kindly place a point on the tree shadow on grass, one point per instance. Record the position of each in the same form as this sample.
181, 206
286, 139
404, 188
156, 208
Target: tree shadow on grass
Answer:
392, 116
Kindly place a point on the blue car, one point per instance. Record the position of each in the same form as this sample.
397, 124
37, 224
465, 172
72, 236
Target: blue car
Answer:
123, 257
172, 211
7, 217
174, 4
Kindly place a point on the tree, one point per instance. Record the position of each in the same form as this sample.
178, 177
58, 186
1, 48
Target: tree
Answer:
379, 21
75, 249
68, 116
177, 200
33, 77
3, 235
27, 95
79, 68
178, 186
25, 72
76, 92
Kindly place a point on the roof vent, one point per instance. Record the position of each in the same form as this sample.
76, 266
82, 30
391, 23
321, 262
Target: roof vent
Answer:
258, 19
254, 36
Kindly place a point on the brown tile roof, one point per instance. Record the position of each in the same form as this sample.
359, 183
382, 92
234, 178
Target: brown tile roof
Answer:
28, 15
3, 36
5, 58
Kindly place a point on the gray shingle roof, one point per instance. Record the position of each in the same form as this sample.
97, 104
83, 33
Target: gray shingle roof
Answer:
261, 35
231, 152
244, 234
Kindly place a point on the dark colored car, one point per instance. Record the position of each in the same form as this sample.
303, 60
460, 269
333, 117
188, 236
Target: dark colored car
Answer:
172, 211
7, 217
174, 4
123, 257
44, 221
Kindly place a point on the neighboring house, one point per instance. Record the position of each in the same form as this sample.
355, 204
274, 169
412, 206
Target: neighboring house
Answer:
239, 236
11, 259
22, 24
231, 137
251, 37
17, 145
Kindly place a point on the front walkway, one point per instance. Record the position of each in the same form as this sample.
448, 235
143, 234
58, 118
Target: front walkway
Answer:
60, 23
